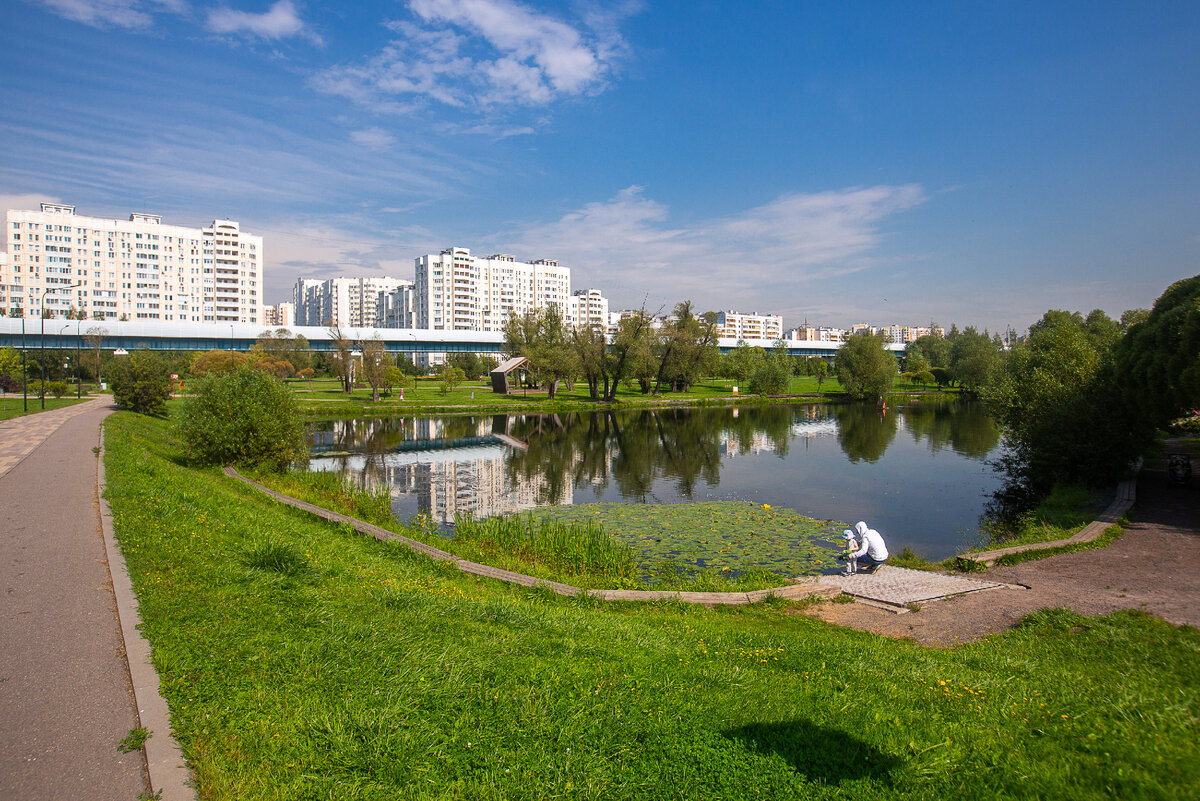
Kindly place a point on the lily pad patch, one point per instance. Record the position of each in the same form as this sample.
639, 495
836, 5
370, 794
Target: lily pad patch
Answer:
730, 537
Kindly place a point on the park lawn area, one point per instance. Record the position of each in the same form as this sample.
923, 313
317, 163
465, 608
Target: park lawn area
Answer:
12, 405
302, 660
323, 397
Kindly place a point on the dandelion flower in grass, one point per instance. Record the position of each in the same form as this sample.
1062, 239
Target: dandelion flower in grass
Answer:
766, 506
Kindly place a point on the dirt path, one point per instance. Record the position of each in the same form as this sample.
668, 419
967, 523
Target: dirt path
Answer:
1154, 566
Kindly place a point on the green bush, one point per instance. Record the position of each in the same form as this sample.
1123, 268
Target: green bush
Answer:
245, 417
57, 388
770, 378
141, 382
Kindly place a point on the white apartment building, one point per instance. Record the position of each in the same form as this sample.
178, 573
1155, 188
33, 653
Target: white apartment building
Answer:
281, 315
135, 269
352, 302
456, 291
807, 333
903, 334
735, 325
588, 308
396, 307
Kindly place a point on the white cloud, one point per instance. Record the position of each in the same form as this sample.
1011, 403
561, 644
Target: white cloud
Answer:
373, 138
129, 14
480, 55
627, 246
280, 21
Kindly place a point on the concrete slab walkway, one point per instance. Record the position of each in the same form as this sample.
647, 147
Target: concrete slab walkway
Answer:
66, 698
900, 586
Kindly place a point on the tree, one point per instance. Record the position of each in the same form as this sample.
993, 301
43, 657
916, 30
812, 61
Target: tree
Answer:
1062, 412
688, 347
449, 378
339, 358
541, 336
591, 350
865, 367
974, 358
820, 369
281, 346
773, 373
216, 361
141, 382
934, 348
915, 362
11, 371
632, 345
741, 362
245, 417
375, 363
1158, 361
94, 339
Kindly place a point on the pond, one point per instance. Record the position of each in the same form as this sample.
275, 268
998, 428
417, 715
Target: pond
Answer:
918, 473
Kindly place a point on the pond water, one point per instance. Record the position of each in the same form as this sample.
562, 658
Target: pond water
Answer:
917, 473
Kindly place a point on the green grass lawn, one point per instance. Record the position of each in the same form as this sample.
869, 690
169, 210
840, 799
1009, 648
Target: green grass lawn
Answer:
301, 660
324, 397
12, 405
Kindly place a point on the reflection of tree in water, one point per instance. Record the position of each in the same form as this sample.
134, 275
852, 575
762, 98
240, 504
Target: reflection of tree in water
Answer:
549, 461
963, 425
864, 432
634, 448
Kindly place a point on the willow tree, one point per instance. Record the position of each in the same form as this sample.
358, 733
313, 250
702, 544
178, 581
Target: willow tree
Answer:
865, 367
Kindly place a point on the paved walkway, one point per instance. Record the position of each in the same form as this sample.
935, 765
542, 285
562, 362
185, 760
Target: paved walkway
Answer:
66, 697
900, 586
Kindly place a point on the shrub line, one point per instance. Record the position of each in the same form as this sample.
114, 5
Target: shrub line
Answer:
1125, 497
796, 591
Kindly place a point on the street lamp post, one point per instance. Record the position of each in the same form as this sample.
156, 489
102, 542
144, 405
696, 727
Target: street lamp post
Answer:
78, 383
42, 338
24, 369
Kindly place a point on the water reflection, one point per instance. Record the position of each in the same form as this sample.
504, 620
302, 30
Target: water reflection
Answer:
785, 455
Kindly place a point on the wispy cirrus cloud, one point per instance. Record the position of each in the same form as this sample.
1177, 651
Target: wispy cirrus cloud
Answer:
373, 138
280, 21
478, 55
627, 246
128, 14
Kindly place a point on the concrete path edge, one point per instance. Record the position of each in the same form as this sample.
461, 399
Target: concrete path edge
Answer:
1126, 496
170, 778
797, 591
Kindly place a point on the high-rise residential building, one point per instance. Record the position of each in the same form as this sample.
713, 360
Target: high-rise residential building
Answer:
735, 325
588, 308
456, 291
824, 333
135, 269
281, 315
353, 302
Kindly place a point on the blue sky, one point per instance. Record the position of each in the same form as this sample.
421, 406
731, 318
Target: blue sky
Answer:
959, 162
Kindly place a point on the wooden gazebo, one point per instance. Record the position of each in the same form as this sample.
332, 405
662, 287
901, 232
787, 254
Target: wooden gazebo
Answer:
500, 383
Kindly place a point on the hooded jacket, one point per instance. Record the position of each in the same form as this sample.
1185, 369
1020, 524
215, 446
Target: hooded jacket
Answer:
870, 543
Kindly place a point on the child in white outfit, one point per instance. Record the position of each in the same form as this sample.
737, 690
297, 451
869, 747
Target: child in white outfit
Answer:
850, 554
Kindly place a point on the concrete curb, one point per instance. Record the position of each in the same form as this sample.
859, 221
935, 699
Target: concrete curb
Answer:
1126, 495
798, 591
168, 770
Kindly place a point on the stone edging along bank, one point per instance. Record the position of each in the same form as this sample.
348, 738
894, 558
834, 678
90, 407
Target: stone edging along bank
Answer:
791, 592
1126, 495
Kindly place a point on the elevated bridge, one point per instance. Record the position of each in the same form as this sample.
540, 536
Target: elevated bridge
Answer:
33, 332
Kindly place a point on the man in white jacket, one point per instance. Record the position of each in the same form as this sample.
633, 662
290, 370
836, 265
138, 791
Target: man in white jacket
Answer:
872, 552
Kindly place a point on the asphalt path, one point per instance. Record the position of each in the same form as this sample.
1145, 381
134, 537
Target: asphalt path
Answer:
66, 700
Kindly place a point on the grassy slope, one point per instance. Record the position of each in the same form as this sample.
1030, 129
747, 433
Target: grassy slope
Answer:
372, 673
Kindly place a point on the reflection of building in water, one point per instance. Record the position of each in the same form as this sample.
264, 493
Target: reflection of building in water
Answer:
734, 445
448, 481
